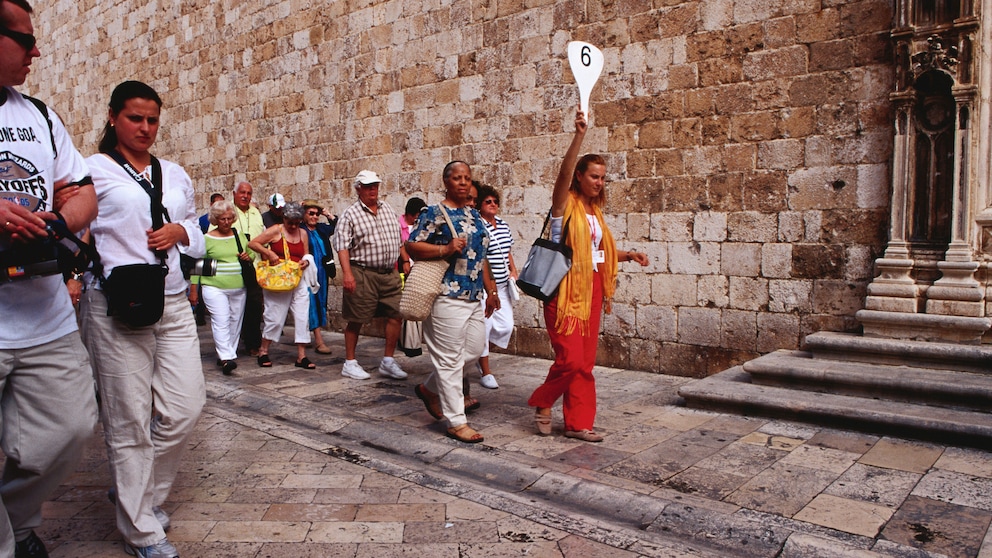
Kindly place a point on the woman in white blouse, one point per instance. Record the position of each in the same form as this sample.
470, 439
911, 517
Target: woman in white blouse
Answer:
150, 378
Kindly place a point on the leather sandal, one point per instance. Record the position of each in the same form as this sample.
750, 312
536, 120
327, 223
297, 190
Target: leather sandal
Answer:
543, 423
431, 401
323, 349
305, 363
264, 361
471, 403
586, 435
465, 433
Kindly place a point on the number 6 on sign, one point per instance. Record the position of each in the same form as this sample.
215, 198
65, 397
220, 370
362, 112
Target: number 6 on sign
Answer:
586, 62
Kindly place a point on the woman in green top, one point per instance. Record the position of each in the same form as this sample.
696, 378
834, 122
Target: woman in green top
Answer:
224, 293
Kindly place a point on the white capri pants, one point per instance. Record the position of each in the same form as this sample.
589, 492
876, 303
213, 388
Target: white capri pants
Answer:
455, 334
227, 310
278, 305
499, 326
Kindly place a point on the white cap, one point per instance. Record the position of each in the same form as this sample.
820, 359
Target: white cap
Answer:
276, 200
367, 177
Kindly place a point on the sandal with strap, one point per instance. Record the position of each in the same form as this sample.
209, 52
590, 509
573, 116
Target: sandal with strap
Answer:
543, 423
430, 400
465, 433
586, 435
305, 363
471, 403
264, 361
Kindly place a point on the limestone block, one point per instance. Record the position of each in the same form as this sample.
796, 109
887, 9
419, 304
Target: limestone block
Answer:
712, 291
790, 296
739, 157
699, 326
790, 226
673, 290
776, 63
748, 293
644, 354
659, 323
780, 154
776, 260
754, 126
838, 297
741, 259
777, 331
751, 226
823, 188
709, 226
716, 15
672, 227
621, 320
873, 186
694, 258
633, 288
703, 160
738, 330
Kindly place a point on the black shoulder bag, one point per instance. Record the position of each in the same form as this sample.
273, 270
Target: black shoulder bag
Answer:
136, 292
247, 268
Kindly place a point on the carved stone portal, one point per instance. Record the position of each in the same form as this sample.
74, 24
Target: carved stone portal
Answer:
930, 282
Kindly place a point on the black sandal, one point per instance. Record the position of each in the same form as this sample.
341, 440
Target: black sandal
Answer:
228, 367
264, 361
305, 363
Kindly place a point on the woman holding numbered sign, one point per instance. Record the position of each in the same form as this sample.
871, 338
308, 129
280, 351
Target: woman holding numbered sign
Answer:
573, 317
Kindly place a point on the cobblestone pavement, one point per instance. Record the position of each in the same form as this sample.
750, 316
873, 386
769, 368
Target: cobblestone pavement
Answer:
291, 463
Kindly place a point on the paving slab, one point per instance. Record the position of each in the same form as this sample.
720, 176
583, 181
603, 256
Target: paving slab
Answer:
287, 462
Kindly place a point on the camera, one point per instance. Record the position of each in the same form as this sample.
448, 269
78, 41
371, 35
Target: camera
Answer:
204, 267
39, 258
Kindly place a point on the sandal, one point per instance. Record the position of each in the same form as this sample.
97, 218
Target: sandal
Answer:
228, 367
430, 400
305, 363
471, 403
264, 361
543, 423
465, 433
323, 349
587, 435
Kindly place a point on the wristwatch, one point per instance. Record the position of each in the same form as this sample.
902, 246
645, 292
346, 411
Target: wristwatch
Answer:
77, 275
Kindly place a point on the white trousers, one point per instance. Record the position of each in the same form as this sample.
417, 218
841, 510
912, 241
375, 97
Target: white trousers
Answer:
48, 411
151, 393
227, 310
499, 326
455, 334
278, 305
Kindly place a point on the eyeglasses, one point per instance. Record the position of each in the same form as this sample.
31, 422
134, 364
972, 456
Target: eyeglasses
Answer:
491, 201
27, 41
312, 213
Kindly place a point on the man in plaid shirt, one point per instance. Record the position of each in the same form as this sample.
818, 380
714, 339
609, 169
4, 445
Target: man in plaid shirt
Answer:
368, 244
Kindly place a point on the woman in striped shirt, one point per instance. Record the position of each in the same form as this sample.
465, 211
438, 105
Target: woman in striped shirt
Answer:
499, 326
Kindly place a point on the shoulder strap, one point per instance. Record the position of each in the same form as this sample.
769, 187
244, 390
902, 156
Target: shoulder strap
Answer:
43, 109
154, 191
237, 239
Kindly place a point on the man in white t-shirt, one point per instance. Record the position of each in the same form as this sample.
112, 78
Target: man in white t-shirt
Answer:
48, 410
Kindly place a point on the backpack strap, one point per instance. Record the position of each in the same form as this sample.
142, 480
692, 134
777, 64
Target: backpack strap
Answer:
43, 109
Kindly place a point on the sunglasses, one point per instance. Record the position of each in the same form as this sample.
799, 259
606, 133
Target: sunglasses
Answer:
26, 40
493, 202
312, 213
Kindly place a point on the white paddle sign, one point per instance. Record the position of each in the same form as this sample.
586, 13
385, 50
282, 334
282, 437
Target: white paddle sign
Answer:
586, 62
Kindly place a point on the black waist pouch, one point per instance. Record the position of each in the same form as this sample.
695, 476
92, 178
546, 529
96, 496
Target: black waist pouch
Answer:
136, 293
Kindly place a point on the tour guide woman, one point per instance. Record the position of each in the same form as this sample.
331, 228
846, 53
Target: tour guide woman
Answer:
573, 317
150, 378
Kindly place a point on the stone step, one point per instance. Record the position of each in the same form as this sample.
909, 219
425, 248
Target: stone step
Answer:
920, 354
732, 391
949, 388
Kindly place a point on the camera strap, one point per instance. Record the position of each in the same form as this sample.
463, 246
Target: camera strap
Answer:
153, 189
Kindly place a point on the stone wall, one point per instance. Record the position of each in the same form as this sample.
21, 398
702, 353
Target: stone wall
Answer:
748, 141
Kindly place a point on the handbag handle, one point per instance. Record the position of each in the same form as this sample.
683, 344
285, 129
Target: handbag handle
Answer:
447, 219
564, 230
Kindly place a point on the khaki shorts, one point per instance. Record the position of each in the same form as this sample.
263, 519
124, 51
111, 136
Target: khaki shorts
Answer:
376, 295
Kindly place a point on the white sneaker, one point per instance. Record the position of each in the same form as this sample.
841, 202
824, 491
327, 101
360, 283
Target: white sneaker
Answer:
489, 381
161, 549
391, 369
353, 370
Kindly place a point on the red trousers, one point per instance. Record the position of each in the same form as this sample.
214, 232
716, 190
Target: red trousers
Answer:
571, 374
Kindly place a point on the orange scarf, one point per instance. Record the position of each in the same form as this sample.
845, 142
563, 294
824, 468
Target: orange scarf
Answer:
575, 291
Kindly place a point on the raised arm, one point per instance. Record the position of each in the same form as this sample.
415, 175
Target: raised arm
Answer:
567, 170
